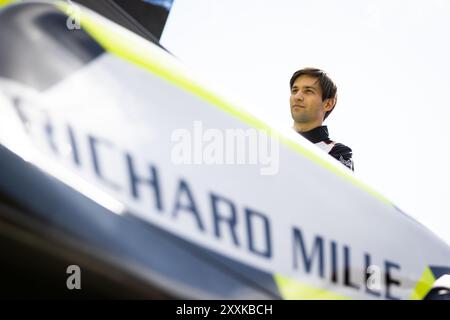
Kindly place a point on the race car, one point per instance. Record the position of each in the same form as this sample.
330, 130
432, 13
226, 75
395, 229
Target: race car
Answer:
116, 182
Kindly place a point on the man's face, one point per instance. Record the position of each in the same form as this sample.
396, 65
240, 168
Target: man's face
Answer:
306, 102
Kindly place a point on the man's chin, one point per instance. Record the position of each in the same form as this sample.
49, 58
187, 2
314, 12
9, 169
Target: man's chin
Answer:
298, 119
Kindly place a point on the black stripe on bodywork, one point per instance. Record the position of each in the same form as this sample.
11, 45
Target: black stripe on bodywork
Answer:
439, 271
149, 14
120, 15
37, 48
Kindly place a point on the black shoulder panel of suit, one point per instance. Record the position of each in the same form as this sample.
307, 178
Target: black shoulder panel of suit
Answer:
340, 149
343, 153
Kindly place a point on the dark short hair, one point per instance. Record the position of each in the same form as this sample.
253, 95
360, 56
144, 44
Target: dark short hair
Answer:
327, 85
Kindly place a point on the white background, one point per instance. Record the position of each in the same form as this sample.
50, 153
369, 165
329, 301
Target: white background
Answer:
388, 58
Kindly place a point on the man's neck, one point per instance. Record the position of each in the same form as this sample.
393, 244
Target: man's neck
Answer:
303, 127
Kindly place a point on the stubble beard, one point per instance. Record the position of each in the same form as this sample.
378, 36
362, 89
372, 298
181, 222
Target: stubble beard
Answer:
300, 117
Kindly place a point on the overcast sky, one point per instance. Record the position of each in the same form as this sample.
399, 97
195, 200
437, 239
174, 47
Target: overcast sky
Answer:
390, 60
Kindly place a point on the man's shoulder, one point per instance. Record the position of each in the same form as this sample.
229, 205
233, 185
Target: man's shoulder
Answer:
342, 153
341, 149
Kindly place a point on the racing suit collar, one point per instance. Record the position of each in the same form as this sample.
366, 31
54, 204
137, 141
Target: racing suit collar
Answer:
316, 135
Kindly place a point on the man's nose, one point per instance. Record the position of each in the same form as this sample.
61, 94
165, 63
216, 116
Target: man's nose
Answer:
298, 95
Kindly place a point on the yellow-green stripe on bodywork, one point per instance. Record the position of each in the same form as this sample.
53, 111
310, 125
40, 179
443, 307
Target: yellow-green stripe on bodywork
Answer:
424, 285
291, 289
144, 54
6, 2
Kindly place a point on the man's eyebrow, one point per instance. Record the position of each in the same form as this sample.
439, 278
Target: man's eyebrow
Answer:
309, 87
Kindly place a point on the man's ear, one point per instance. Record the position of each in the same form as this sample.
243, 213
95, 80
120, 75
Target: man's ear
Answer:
329, 104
